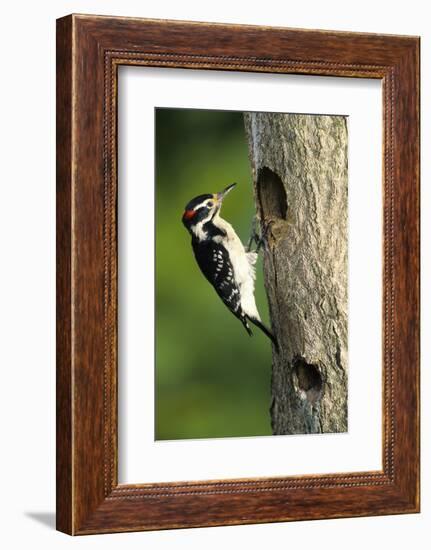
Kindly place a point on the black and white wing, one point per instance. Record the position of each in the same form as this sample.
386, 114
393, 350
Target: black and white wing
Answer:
215, 264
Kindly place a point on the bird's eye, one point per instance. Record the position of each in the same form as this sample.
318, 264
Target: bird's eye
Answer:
210, 204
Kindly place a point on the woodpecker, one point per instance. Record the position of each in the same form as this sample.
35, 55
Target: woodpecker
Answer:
223, 259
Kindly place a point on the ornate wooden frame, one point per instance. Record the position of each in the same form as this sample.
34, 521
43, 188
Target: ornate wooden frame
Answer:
89, 51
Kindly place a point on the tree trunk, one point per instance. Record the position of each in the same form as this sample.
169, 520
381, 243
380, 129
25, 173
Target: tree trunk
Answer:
299, 165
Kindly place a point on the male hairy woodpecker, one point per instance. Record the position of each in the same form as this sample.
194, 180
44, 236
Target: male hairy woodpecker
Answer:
223, 259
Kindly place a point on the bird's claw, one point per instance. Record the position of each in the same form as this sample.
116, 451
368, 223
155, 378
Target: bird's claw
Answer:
259, 238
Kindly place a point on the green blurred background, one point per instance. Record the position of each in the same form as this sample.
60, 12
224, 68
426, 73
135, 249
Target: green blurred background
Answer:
212, 379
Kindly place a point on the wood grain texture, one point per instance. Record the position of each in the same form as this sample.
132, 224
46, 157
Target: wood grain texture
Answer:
64, 460
89, 499
301, 196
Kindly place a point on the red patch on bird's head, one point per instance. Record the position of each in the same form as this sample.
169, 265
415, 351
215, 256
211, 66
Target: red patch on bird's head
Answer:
189, 214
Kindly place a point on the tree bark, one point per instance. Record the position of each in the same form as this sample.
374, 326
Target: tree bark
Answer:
299, 166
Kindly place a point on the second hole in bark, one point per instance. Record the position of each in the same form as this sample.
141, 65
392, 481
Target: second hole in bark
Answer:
307, 379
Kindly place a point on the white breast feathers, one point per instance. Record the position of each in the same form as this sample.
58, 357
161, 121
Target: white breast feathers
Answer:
243, 264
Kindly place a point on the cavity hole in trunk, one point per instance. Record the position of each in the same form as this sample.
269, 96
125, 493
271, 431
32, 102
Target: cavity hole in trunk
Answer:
307, 379
271, 194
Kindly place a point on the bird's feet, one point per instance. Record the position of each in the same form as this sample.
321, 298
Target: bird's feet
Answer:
258, 235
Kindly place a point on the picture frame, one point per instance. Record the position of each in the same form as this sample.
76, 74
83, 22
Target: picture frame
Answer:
89, 51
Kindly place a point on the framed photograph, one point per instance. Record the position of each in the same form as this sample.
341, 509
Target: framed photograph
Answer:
237, 274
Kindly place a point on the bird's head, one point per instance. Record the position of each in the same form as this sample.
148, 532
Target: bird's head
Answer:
204, 208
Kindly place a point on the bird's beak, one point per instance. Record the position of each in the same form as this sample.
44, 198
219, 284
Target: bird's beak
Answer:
220, 196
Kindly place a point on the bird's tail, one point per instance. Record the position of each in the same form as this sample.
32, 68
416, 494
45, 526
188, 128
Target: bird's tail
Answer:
263, 328
246, 325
